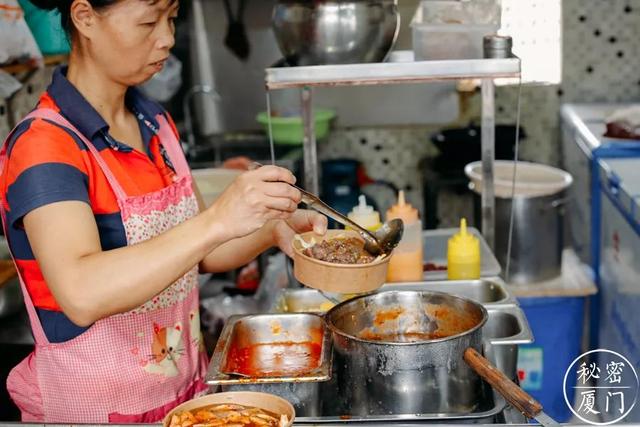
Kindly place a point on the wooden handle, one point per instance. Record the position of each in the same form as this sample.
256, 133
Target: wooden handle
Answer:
507, 388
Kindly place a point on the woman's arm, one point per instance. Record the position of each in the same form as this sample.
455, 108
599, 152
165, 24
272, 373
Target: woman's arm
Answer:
90, 284
238, 252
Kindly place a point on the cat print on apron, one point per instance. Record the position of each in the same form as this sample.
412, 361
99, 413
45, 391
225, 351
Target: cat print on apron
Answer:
132, 367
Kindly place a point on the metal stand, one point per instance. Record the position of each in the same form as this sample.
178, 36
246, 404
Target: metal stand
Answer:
485, 70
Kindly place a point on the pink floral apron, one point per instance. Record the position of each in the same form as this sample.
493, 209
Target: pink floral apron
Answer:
131, 367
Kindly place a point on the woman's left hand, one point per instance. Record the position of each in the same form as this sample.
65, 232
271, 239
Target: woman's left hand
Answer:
300, 221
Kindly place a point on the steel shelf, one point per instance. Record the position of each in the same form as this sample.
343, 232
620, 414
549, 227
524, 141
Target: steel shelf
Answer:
400, 72
401, 69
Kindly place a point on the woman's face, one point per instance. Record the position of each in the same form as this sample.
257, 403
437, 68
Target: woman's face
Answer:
132, 38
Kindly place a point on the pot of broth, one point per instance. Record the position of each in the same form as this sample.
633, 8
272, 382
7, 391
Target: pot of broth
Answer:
401, 352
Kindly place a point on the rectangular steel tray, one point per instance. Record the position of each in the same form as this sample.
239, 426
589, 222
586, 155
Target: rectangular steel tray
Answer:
270, 328
489, 292
435, 242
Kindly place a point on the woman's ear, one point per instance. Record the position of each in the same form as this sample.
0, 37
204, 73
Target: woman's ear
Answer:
83, 16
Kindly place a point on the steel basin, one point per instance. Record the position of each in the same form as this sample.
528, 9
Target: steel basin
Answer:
376, 377
318, 32
300, 389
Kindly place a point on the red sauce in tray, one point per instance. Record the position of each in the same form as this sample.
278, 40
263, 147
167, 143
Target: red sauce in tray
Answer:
274, 359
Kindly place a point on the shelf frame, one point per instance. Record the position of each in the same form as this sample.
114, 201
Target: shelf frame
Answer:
405, 71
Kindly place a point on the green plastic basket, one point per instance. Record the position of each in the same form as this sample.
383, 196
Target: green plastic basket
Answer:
289, 130
46, 28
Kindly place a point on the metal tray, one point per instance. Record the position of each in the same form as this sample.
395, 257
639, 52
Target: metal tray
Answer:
488, 409
434, 243
270, 328
490, 292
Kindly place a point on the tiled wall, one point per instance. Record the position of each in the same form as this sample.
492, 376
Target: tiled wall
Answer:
601, 62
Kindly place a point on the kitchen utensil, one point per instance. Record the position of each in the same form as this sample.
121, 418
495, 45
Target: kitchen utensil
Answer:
253, 335
515, 395
382, 242
537, 205
317, 32
337, 278
387, 376
236, 39
267, 402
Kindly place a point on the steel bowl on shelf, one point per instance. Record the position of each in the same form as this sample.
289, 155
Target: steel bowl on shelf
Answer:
320, 32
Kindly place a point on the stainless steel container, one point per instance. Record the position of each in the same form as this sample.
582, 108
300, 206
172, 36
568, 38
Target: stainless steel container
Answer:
377, 375
301, 389
506, 328
317, 32
489, 292
536, 249
538, 201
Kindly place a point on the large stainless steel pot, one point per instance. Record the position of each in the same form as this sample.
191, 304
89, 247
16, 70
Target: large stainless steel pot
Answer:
536, 248
378, 374
317, 32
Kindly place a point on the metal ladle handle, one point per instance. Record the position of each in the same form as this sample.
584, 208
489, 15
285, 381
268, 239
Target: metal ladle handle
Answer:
318, 205
312, 201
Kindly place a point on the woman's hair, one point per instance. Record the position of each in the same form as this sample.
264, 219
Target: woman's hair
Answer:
64, 7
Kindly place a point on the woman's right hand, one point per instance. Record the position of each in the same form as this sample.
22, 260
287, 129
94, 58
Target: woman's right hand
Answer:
253, 199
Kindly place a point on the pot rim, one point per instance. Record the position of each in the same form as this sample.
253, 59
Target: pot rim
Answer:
479, 325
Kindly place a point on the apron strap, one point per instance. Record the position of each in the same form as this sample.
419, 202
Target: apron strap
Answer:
171, 144
57, 118
36, 327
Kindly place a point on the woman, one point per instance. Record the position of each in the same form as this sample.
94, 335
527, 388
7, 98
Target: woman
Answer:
108, 232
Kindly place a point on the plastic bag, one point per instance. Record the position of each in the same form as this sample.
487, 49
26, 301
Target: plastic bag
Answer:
17, 44
8, 85
164, 84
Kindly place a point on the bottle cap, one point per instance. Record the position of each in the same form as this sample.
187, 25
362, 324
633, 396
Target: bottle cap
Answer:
407, 213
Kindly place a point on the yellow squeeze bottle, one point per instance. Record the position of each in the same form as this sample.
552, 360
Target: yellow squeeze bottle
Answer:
463, 255
406, 262
364, 215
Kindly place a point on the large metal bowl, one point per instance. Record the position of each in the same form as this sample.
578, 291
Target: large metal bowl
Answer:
319, 32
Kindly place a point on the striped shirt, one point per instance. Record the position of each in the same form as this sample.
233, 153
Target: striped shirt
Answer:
48, 164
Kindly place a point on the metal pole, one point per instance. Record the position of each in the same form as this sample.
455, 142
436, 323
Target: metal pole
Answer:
309, 142
488, 157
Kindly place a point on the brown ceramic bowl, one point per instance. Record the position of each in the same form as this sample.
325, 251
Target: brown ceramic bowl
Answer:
265, 401
337, 278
